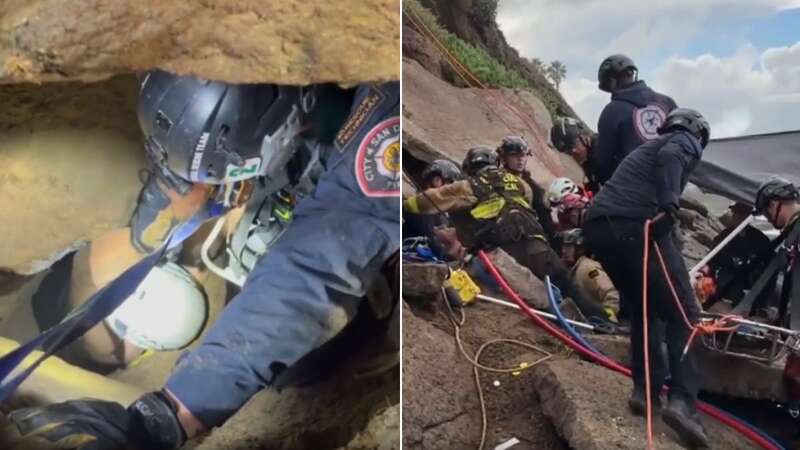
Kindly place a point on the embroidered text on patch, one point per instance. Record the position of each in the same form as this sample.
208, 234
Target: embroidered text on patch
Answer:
378, 160
363, 111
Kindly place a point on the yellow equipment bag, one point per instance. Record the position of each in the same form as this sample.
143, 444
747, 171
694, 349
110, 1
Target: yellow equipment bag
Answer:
464, 285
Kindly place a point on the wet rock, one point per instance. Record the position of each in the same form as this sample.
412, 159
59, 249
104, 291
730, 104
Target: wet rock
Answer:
706, 230
705, 237
291, 42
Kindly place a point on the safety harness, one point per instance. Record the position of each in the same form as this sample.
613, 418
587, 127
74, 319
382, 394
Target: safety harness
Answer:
503, 213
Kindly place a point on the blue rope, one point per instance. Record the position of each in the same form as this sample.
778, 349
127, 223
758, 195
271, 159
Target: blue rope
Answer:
93, 311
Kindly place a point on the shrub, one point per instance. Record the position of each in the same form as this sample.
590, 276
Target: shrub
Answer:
485, 11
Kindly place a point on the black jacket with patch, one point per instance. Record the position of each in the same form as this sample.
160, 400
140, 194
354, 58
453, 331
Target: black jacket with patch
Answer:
631, 119
650, 179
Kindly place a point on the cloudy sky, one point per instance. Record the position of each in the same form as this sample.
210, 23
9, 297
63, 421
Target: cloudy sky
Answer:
736, 61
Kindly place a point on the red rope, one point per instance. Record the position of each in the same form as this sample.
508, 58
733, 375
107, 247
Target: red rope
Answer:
604, 361
720, 324
648, 395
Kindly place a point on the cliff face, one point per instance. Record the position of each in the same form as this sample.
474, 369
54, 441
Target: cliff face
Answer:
440, 120
444, 120
462, 17
290, 41
71, 151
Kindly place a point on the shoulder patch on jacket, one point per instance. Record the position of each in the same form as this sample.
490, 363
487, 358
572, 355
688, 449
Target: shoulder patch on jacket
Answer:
378, 160
359, 117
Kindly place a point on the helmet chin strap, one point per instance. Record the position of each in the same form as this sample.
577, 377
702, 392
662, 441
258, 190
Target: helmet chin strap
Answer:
778, 211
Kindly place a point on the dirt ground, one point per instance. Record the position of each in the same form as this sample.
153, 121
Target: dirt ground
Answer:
513, 409
562, 403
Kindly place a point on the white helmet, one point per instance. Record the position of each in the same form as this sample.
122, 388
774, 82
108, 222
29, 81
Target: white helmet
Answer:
560, 188
166, 312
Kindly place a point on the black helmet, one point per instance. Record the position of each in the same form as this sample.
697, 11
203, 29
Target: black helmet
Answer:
565, 133
689, 120
213, 132
612, 67
478, 158
774, 189
513, 145
446, 169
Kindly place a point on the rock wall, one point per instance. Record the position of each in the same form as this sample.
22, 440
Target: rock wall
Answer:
69, 158
291, 42
442, 120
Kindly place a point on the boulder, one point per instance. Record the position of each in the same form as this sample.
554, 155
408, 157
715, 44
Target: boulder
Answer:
423, 280
590, 411
521, 280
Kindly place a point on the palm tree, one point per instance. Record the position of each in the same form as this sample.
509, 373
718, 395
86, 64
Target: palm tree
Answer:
557, 71
538, 65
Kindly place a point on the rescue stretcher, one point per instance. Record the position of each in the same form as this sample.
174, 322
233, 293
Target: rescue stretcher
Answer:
765, 343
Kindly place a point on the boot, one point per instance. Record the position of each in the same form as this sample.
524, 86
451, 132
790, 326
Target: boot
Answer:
683, 418
638, 403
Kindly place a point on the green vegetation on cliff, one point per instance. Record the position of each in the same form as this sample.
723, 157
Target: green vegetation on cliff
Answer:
483, 65
487, 69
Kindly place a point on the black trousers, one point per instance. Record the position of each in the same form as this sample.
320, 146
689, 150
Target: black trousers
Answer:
619, 245
541, 260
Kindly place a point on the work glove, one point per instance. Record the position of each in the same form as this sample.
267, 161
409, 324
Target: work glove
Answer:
77, 424
149, 423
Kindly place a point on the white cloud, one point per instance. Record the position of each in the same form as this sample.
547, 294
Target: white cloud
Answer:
585, 31
739, 94
746, 93
585, 98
